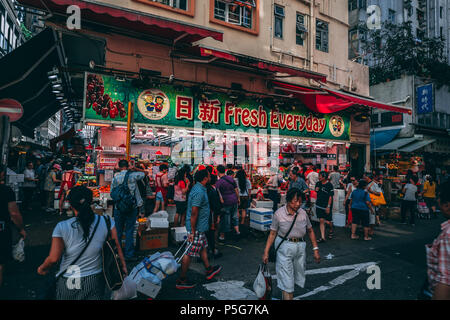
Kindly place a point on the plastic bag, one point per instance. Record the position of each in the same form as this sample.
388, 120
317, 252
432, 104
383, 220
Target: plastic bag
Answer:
18, 251
127, 290
263, 283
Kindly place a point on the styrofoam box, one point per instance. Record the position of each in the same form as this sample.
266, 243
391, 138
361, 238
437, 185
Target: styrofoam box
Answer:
159, 223
261, 214
263, 204
179, 234
339, 219
171, 210
261, 226
148, 288
160, 214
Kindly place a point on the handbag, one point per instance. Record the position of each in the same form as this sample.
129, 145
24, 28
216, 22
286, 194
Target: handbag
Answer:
377, 200
262, 286
272, 250
112, 270
50, 290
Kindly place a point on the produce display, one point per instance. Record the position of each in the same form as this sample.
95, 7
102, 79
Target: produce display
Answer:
85, 180
100, 102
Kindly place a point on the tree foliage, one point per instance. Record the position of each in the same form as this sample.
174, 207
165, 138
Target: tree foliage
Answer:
395, 51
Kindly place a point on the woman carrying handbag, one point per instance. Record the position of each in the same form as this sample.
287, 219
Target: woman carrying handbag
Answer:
289, 226
79, 241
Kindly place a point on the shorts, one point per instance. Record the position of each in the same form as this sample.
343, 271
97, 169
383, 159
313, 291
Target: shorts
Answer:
159, 196
431, 202
181, 207
290, 265
321, 214
243, 203
360, 217
198, 245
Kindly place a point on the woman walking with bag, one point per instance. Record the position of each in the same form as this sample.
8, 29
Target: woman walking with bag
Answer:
290, 224
245, 187
79, 242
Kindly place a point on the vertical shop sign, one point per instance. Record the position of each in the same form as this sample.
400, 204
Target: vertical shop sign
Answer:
425, 99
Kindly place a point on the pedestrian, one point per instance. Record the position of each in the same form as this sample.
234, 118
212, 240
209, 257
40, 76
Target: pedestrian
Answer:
229, 194
68, 182
335, 178
273, 184
438, 253
50, 186
245, 187
374, 187
162, 187
409, 201
10, 218
324, 203
429, 194
351, 186
360, 204
197, 224
125, 221
181, 188
296, 181
291, 253
29, 186
215, 208
41, 173
69, 239
312, 177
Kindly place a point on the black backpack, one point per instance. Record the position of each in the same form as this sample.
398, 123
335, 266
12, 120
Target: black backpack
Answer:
123, 199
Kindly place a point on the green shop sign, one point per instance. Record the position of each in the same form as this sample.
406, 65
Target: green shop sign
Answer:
106, 99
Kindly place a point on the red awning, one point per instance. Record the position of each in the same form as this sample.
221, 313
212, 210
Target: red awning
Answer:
324, 100
127, 19
261, 64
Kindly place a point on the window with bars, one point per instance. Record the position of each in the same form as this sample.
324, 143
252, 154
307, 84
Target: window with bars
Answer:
279, 19
392, 15
321, 35
177, 4
300, 29
235, 12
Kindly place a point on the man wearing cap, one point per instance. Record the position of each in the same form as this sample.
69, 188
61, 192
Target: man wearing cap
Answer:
50, 185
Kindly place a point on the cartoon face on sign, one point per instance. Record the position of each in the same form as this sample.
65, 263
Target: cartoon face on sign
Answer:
337, 126
153, 104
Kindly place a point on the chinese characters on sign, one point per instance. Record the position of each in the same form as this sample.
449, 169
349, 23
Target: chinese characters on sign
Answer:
425, 99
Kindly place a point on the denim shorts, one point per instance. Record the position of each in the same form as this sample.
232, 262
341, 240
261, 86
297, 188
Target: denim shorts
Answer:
159, 196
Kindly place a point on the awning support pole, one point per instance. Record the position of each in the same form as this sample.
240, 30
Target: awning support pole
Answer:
130, 117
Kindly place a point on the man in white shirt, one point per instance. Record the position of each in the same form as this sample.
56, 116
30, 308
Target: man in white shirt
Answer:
312, 178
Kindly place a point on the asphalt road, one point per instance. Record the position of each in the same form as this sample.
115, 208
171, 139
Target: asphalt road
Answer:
398, 251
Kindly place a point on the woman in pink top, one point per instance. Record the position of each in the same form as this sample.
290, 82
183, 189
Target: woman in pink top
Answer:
181, 188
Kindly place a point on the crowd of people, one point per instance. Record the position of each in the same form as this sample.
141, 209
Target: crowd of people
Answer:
212, 203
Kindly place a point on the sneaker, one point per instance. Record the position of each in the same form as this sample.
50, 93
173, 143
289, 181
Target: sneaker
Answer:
212, 272
184, 284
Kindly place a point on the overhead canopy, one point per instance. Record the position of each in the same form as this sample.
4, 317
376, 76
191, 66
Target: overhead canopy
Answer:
261, 64
397, 144
325, 100
127, 19
416, 145
24, 78
380, 138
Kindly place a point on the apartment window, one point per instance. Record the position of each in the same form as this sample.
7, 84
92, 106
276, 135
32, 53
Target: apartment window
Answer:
353, 43
441, 12
356, 4
300, 29
279, 18
235, 12
441, 32
391, 16
442, 119
177, 4
321, 35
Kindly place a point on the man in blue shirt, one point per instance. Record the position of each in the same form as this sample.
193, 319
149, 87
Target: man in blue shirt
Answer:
197, 223
127, 221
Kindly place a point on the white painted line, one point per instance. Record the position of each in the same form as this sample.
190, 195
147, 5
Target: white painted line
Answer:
230, 290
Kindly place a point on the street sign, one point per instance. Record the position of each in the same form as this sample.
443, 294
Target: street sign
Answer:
11, 108
425, 99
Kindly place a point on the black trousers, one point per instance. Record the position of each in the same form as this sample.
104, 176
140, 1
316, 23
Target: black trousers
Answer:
275, 197
408, 206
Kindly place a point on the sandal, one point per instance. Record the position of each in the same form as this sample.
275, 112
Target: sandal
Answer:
321, 240
330, 235
367, 239
354, 237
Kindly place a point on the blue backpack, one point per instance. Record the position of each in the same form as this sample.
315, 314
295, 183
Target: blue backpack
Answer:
123, 199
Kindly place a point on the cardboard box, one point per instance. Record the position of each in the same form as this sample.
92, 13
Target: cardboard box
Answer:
154, 239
